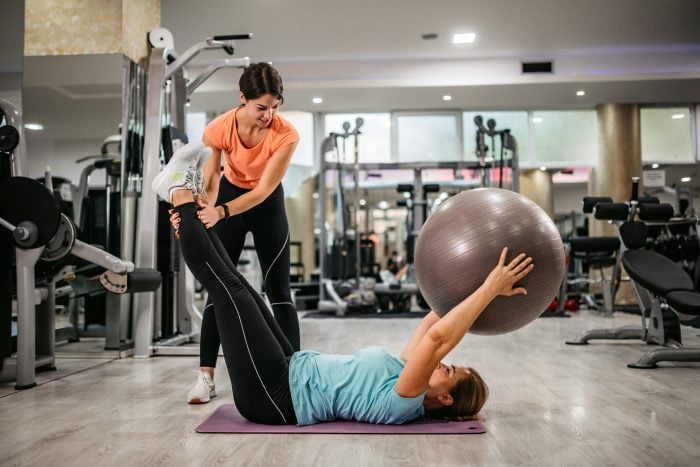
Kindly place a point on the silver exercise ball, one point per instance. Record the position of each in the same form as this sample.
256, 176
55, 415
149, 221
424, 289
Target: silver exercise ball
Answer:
461, 242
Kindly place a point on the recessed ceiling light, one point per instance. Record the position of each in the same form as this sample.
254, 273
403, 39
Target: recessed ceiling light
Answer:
383, 205
537, 119
446, 97
34, 126
654, 166
543, 168
316, 100
464, 38
685, 179
677, 116
580, 93
429, 36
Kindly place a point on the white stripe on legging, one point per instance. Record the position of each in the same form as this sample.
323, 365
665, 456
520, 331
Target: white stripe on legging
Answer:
276, 257
245, 340
282, 303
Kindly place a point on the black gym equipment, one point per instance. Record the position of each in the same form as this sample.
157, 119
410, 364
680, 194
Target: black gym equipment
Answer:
39, 232
665, 291
508, 143
30, 210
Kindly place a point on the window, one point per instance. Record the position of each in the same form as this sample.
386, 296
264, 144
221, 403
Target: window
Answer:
195, 123
426, 138
374, 142
666, 134
564, 137
516, 122
304, 123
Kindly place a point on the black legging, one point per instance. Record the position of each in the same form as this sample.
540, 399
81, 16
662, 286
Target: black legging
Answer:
256, 350
268, 223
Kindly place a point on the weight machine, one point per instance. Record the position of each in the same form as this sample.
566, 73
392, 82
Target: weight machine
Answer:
40, 232
162, 321
334, 238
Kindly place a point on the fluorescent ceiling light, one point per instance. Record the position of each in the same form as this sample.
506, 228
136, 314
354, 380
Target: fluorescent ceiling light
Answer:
677, 116
537, 119
316, 100
464, 38
34, 126
685, 179
580, 93
446, 97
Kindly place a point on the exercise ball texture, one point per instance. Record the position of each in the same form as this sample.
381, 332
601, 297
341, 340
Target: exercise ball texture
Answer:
460, 243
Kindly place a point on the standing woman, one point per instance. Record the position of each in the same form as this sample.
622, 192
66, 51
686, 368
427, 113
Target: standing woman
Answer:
257, 146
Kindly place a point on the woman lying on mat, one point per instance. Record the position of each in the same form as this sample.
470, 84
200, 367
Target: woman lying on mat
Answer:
273, 384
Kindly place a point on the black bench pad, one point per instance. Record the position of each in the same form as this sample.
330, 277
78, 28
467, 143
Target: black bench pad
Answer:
595, 244
655, 272
684, 302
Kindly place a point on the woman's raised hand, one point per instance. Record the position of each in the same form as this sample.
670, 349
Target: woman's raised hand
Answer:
502, 280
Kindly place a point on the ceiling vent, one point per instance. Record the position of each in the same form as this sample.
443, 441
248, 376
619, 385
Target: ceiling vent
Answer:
537, 67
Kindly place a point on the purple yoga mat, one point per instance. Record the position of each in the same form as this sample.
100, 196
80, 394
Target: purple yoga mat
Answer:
226, 419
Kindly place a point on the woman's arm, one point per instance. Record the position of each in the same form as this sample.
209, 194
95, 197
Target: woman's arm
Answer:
272, 176
447, 332
425, 324
212, 172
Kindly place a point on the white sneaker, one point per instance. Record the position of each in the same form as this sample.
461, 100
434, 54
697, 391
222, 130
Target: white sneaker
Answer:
199, 174
203, 391
180, 171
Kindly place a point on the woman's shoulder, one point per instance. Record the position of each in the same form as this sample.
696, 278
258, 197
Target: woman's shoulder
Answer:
281, 125
226, 117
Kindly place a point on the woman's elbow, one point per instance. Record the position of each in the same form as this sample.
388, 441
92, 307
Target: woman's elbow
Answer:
437, 337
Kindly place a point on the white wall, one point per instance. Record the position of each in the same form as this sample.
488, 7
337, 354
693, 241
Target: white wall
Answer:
60, 156
568, 197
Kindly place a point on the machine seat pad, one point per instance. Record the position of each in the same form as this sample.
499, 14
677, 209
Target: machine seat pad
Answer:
655, 272
684, 302
595, 244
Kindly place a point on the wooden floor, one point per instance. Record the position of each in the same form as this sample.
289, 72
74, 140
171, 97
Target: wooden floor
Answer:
550, 404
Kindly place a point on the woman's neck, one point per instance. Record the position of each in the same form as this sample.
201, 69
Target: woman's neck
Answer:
245, 125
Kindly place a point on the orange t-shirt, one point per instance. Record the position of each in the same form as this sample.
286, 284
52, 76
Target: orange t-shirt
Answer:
244, 166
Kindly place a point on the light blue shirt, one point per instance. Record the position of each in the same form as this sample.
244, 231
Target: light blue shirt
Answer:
357, 387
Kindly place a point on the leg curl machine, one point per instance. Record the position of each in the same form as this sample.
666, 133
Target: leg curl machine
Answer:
40, 232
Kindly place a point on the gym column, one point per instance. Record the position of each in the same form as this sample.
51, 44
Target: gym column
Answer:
537, 185
619, 157
78, 27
